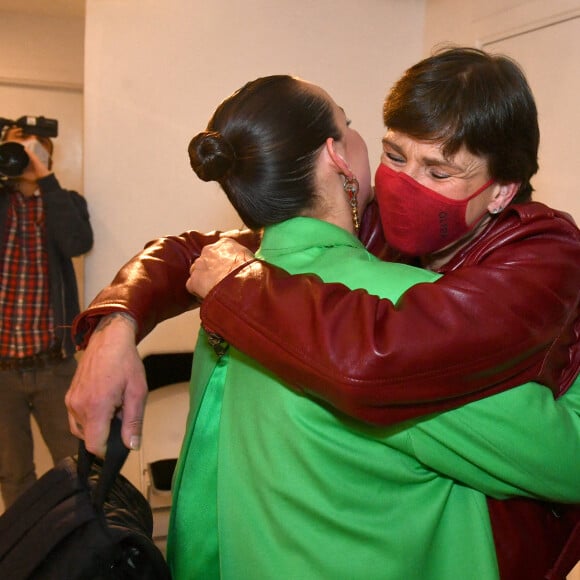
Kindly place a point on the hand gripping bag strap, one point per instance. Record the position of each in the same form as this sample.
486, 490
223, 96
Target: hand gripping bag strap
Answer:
115, 458
82, 521
124, 512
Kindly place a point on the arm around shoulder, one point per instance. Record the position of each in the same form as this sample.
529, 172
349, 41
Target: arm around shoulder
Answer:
150, 287
518, 443
504, 314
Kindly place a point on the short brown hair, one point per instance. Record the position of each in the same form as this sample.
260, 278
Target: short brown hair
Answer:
465, 96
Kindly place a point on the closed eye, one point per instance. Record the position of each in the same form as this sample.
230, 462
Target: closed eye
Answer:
395, 158
435, 174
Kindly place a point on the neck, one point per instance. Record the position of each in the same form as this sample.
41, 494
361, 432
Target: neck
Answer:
438, 259
333, 215
26, 187
332, 206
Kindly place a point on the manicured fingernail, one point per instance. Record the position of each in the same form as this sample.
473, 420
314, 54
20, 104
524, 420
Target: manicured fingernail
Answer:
135, 442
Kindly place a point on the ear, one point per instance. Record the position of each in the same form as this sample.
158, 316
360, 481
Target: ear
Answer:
337, 159
502, 197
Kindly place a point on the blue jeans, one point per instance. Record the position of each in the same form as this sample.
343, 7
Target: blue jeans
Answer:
39, 392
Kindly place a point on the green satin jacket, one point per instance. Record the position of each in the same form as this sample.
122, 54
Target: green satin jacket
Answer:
273, 484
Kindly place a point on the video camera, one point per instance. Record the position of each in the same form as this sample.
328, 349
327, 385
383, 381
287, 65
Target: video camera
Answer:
13, 156
39, 126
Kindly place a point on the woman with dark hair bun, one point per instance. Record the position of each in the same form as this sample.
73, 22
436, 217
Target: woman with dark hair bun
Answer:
266, 146
271, 483
211, 156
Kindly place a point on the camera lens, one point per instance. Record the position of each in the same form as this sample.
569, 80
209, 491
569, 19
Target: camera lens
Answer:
13, 159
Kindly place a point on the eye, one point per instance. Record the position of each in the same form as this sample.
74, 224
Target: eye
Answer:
438, 174
348, 122
394, 157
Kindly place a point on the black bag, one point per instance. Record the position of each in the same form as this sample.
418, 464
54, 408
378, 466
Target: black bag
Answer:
82, 520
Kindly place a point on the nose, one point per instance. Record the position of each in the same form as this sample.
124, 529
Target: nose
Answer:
413, 170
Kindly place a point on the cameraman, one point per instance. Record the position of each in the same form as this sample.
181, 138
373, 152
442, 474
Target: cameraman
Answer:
42, 226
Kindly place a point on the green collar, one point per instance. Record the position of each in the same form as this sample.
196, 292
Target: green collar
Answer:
301, 233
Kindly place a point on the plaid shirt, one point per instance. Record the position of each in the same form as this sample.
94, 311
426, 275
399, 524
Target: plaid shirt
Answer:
27, 322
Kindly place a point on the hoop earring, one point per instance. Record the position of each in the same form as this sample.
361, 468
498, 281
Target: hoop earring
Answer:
351, 187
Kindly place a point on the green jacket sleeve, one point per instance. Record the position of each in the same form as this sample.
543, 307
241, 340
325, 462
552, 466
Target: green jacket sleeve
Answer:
521, 442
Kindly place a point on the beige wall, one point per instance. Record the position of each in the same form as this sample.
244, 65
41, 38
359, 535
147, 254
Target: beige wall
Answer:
473, 21
154, 72
41, 73
41, 50
543, 38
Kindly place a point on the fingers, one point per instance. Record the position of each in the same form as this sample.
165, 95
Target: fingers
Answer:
133, 413
93, 427
90, 418
230, 250
110, 379
215, 262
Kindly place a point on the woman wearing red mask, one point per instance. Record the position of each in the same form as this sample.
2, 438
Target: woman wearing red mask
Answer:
454, 195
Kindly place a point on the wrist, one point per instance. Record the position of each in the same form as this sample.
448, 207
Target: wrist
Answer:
119, 321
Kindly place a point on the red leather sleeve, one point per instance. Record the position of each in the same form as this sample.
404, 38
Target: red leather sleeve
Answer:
507, 314
151, 286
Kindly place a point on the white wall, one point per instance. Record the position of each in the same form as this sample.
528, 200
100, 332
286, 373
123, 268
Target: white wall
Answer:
154, 73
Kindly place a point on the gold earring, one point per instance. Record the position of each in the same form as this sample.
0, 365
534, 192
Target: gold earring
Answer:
351, 187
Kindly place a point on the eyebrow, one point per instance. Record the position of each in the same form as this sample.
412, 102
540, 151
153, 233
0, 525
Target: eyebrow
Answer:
427, 160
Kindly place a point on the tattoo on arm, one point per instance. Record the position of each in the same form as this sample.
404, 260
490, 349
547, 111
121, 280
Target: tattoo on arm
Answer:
108, 319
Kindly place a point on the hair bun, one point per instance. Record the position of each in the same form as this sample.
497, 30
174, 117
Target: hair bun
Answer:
211, 156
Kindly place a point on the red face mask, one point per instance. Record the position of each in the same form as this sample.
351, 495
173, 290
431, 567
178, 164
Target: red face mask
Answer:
418, 220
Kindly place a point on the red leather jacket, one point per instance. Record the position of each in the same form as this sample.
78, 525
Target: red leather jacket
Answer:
506, 312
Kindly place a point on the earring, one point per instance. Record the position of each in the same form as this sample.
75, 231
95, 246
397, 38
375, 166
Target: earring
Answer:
351, 188
497, 210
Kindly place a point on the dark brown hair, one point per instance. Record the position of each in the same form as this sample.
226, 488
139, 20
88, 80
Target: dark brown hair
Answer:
261, 146
465, 96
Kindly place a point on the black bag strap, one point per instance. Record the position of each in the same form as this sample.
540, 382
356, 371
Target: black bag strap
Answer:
115, 458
